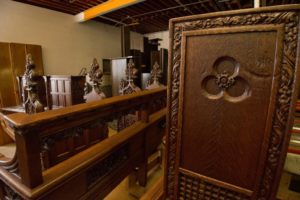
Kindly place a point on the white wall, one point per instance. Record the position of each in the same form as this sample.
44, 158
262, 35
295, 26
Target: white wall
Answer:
137, 41
164, 35
67, 45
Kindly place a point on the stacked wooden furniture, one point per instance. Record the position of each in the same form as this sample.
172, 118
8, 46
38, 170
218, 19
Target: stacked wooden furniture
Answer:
87, 174
12, 62
233, 85
66, 90
55, 91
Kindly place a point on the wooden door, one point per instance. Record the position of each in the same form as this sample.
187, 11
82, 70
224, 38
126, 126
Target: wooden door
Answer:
232, 89
7, 97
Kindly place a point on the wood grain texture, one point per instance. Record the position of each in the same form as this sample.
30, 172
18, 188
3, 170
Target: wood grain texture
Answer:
8, 98
233, 82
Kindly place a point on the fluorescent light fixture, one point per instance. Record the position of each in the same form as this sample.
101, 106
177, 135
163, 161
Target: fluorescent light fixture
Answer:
104, 8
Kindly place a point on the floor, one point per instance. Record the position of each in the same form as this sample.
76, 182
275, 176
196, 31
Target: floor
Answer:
122, 192
8, 150
284, 193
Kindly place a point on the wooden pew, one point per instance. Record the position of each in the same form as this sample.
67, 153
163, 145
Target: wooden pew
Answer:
91, 173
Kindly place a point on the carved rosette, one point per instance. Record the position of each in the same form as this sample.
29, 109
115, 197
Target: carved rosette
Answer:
224, 81
290, 21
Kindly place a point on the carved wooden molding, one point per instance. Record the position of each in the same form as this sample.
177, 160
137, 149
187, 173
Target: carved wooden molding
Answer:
107, 165
93, 82
156, 74
48, 144
127, 86
194, 187
290, 21
10, 194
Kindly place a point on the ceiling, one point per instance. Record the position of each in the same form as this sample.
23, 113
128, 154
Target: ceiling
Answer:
150, 15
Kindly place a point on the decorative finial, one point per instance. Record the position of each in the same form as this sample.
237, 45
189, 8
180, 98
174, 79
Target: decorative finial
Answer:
29, 60
131, 71
153, 82
127, 86
93, 83
95, 73
32, 103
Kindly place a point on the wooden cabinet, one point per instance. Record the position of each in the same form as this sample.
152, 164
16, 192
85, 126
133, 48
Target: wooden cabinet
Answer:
12, 64
66, 90
232, 90
118, 67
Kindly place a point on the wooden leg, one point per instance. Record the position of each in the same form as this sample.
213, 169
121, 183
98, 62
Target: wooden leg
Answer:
142, 175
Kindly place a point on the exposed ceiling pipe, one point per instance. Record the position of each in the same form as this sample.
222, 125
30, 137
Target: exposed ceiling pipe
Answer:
185, 7
113, 20
161, 10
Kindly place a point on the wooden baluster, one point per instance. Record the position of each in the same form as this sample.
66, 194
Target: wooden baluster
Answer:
143, 113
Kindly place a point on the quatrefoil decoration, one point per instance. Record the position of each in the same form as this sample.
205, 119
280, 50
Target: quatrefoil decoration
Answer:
225, 81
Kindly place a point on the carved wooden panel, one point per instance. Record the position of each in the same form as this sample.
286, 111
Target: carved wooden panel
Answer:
63, 145
232, 86
66, 90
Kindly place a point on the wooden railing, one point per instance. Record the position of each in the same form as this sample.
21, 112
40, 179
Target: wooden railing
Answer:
89, 173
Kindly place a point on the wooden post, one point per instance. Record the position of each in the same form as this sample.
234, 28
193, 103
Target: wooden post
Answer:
142, 174
125, 41
28, 154
144, 113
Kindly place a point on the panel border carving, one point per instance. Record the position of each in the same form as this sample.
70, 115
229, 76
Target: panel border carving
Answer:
281, 123
193, 186
107, 165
